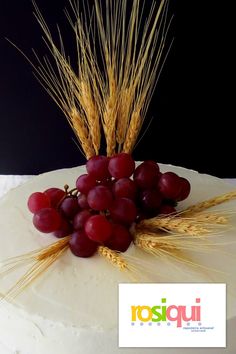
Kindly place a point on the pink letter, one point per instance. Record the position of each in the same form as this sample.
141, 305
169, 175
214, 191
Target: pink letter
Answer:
178, 317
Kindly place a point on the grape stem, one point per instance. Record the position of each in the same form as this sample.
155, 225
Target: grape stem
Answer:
68, 193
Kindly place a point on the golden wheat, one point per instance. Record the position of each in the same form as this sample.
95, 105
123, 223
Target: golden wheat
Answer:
177, 224
113, 257
41, 259
82, 133
110, 114
209, 203
133, 131
92, 115
114, 92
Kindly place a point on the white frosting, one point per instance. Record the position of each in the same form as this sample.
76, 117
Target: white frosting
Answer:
72, 308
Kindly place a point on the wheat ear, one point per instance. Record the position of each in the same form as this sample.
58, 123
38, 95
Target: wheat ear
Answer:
81, 131
41, 259
209, 203
92, 114
177, 224
132, 132
113, 257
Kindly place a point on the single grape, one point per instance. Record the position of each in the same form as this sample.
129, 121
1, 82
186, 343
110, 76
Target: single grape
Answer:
55, 195
121, 165
123, 210
97, 166
81, 245
85, 183
47, 220
82, 201
153, 164
65, 229
185, 189
80, 219
146, 175
124, 188
169, 185
167, 209
69, 207
100, 198
98, 228
120, 239
151, 200
38, 201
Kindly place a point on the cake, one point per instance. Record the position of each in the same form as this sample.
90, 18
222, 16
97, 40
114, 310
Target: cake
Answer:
72, 307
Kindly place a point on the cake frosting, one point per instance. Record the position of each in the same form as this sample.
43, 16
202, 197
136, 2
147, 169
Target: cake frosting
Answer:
72, 308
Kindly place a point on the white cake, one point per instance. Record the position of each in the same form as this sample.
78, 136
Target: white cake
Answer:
72, 308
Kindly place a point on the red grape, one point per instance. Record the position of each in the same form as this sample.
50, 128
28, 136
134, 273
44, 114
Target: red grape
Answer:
167, 209
185, 189
100, 198
124, 188
120, 239
97, 167
85, 182
38, 201
81, 245
151, 200
146, 175
98, 228
65, 229
55, 195
82, 201
80, 219
123, 210
47, 220
169, 185
121, 165
153, 164
69, 207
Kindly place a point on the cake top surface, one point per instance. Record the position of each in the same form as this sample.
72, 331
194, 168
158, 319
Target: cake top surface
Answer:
84, 292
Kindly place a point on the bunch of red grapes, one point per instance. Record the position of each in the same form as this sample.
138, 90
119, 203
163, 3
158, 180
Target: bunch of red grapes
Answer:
106, 202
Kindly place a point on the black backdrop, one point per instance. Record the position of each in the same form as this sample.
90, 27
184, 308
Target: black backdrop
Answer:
192, 106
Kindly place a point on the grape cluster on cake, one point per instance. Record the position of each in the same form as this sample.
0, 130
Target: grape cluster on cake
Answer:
106, 202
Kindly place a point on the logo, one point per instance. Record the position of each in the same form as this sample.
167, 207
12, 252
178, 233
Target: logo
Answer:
163, 313
172, 315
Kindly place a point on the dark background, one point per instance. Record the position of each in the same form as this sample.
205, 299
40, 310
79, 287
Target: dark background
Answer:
192, 107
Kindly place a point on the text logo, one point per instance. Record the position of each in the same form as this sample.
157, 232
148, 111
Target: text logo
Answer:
163, 313
172, 315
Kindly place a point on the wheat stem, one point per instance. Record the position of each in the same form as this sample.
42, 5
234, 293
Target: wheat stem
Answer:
209, 203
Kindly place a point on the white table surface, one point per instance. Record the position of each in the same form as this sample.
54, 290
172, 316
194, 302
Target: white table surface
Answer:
8, 182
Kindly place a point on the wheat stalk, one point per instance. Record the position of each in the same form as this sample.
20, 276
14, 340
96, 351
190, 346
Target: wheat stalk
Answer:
113, 257
113, 92
82, 133
42, 259
209, 203
110, 114
123, 114
171, 247
92, 114
221, 218
132, 132
161, 247
177, 224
